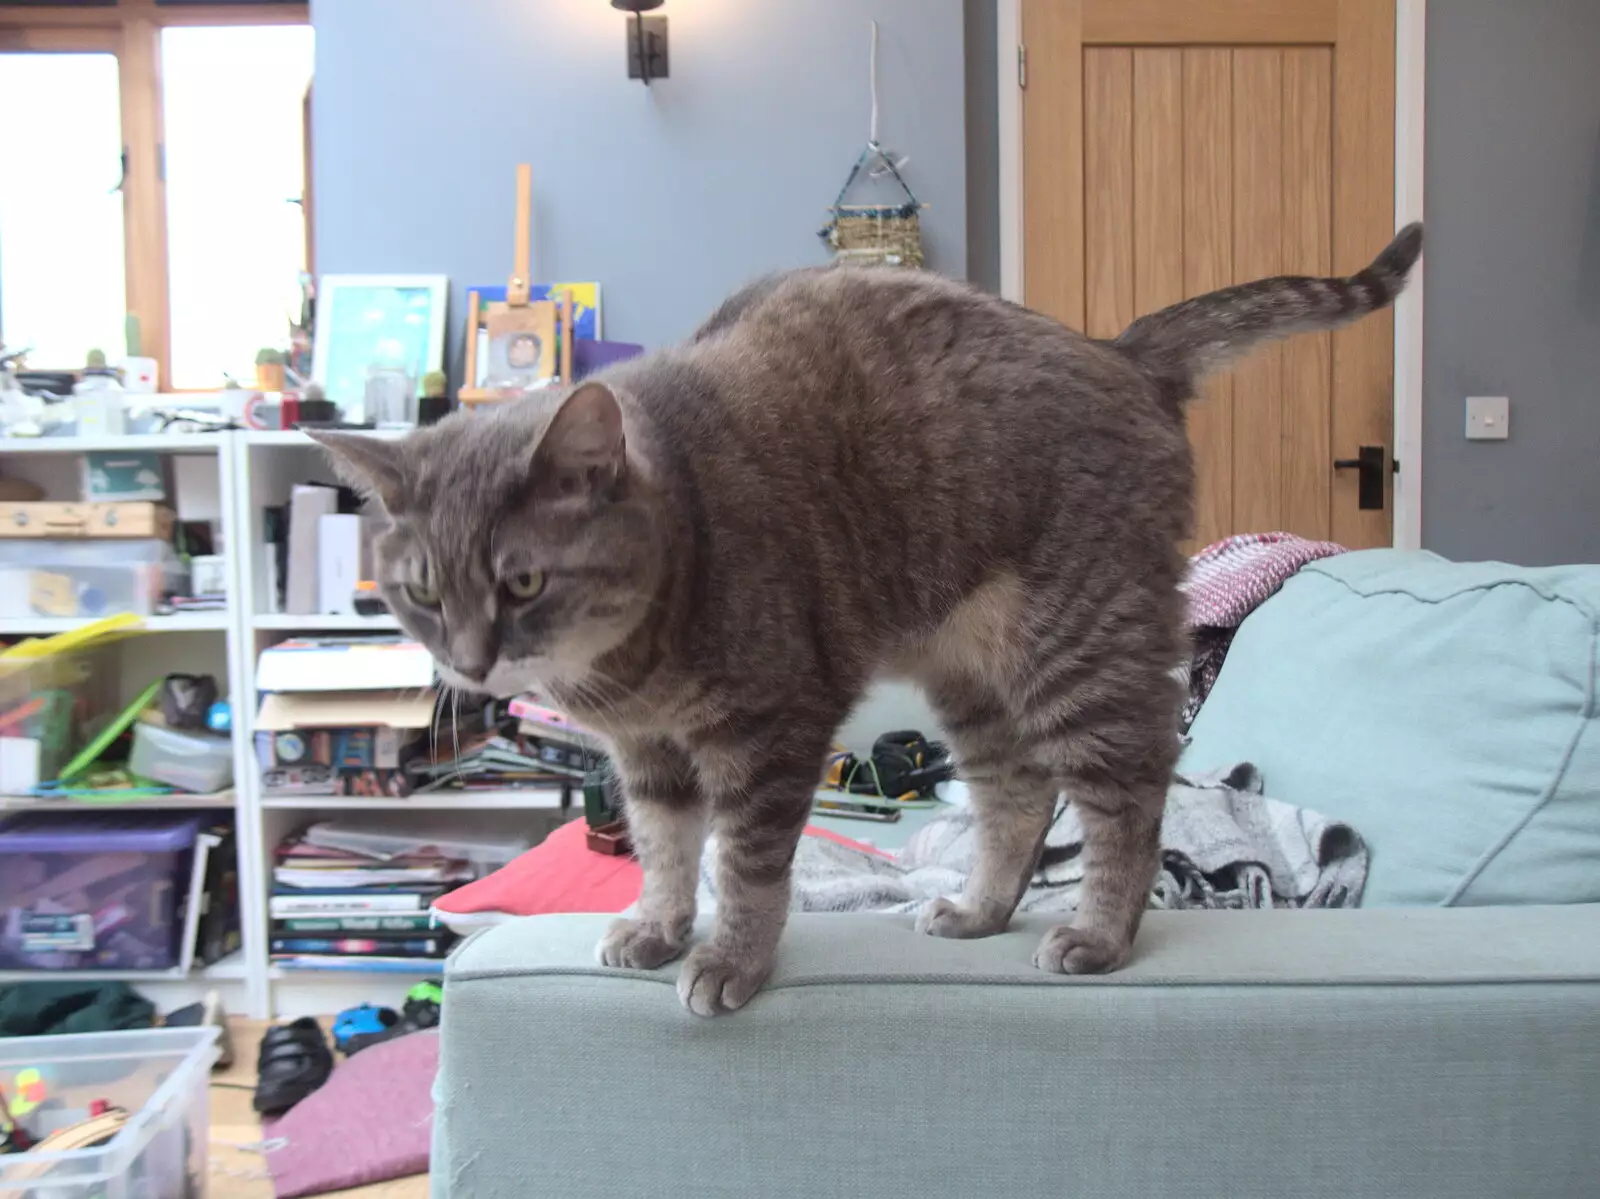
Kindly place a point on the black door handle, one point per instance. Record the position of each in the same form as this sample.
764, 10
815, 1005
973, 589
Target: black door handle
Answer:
1369, 482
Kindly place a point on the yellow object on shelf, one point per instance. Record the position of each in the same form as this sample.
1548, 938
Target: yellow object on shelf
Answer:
94, 632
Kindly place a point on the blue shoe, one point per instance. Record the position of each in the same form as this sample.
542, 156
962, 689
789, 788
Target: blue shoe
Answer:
357, 1027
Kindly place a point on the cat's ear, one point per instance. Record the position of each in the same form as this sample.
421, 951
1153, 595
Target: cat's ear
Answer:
583, 451
373, 466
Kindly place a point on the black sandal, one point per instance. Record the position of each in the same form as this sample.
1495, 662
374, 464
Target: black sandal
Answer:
295, 1060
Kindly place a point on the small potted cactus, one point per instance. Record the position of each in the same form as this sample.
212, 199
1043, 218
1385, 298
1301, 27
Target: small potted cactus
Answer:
435, 404
269, 370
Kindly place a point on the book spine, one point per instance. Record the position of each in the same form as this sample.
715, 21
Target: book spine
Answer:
356, 946
295, 905
363, 965
419, 922
556, 754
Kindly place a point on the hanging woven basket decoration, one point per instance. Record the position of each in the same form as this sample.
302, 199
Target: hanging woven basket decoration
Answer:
875, 234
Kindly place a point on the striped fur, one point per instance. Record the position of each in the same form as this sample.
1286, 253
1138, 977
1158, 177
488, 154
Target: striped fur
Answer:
846, 472
1180, 344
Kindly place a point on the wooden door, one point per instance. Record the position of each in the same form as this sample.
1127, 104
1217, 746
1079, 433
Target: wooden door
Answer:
1176, 146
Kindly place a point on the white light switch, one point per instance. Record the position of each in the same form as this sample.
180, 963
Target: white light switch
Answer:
1488, 418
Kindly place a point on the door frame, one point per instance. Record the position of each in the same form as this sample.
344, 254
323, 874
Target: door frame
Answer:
1410, 63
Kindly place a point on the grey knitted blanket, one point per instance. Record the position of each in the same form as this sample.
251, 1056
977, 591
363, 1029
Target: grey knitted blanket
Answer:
1223, 845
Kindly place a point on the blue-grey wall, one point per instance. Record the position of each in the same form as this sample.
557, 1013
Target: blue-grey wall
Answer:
983, 145
1513, 278
670, 196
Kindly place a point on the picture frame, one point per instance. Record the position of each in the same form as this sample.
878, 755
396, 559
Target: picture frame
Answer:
364, 319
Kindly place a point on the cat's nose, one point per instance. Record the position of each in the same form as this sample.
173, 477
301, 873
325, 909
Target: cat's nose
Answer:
472, 657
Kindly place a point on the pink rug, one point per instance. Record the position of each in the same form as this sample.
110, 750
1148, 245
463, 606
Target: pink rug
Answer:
371, 1121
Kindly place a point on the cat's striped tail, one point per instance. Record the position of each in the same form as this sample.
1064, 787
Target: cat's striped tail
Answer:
1180, 344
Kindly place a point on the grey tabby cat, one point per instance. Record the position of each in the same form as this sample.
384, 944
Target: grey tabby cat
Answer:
706, 554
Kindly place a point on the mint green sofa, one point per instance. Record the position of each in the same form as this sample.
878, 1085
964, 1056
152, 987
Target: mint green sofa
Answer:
1443, 1042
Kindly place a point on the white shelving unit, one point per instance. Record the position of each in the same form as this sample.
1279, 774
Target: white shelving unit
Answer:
255, 470
196, 642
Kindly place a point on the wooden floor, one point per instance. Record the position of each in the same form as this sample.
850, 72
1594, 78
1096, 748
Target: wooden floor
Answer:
238, 1172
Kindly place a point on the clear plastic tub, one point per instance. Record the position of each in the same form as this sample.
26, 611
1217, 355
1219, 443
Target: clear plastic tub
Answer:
199, 762
86, 578
158, 1076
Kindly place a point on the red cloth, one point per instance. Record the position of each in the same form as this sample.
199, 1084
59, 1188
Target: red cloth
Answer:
562, 874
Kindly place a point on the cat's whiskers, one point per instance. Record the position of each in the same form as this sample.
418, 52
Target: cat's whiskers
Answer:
588, 694
455, 731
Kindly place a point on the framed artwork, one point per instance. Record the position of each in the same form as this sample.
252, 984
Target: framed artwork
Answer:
369, 320
585, 315
522, 347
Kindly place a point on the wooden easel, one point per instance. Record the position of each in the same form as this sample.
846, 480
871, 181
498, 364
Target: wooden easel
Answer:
478, 312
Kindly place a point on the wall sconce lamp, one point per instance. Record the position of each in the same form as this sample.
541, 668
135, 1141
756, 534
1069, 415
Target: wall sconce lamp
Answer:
647, 40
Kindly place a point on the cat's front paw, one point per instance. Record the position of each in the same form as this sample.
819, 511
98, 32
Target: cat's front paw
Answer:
637, 945
715, 981
1069, 950
947, 918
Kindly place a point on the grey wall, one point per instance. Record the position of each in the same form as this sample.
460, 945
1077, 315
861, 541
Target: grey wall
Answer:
1513, 278
983, 146
670, 196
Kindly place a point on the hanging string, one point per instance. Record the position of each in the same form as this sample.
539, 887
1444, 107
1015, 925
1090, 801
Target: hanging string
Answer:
886, 165
872, 135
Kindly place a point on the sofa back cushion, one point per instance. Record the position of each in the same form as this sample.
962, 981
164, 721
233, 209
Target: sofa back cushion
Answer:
1446, 711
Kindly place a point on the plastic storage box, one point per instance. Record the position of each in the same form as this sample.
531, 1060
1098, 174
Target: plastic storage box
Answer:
86, 578
46, 702
199, 762
94, 890
157, 1076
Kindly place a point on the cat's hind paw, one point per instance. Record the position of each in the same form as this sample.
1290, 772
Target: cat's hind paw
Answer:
715, 981
637, 945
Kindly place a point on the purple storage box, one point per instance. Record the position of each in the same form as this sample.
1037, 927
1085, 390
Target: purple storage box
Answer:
94, 890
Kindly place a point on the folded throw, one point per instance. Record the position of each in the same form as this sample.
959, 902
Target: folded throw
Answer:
1223, 845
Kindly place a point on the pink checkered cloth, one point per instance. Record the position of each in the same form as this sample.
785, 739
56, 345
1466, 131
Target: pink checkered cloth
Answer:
1231, 578
1227, 581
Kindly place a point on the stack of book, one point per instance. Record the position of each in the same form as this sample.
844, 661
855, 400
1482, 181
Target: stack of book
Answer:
560, 743
544, 749
335, 906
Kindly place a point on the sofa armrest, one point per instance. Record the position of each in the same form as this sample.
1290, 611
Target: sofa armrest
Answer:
1381, 1052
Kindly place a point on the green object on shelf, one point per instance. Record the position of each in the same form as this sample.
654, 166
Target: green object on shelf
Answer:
105, 789
119, 725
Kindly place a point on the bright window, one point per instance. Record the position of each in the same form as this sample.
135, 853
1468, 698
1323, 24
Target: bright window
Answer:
62, 289
233, 105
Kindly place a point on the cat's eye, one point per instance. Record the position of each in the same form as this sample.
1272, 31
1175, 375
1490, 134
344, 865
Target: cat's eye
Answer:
525, 584
421, 590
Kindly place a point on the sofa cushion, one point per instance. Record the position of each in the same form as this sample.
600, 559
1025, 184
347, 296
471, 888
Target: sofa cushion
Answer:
1446, 711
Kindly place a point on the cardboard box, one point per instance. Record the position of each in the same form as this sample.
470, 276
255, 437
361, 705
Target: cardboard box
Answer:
340, 743
208, 574
106, 521
345, 664
308, 504
340, 563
